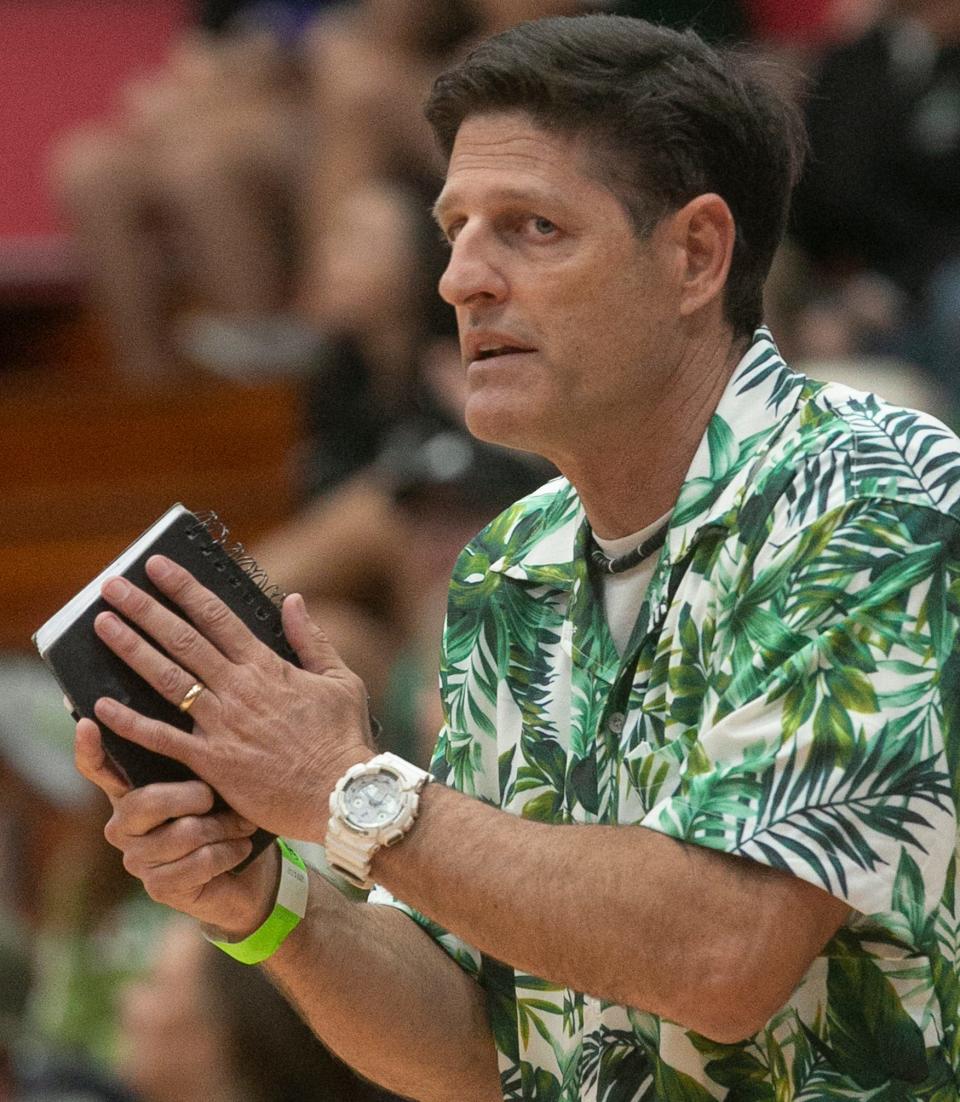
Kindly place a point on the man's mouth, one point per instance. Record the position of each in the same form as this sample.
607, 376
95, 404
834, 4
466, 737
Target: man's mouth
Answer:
493, 350
503, 350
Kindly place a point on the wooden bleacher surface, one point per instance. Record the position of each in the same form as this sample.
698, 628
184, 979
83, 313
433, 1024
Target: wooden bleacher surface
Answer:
85, 466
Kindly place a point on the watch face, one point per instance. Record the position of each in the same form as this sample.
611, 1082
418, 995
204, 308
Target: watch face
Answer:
372, 801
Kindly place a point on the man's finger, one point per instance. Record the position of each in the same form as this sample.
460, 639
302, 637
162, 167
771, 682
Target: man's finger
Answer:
144, 809
93, 763
176, 636
159, 737
170, 680
314, 649
213, 618
176, 839
189, 875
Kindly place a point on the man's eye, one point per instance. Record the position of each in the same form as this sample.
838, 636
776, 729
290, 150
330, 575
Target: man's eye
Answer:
543, 226
449, 233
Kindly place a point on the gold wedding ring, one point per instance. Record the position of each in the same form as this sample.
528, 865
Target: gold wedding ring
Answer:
192, 693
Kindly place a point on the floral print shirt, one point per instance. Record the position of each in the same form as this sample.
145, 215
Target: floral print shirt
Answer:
790, 695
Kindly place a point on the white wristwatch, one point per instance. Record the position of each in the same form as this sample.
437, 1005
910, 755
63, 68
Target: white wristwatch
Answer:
374, 804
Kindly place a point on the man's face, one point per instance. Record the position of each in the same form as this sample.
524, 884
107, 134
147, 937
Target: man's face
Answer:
568, 322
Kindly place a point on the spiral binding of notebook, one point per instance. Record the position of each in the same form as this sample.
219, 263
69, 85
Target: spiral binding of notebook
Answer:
219, 533
265, 609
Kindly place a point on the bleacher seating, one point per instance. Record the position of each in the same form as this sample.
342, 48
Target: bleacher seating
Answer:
83, 472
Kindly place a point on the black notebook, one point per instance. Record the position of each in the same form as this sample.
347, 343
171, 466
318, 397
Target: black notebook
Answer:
87, 669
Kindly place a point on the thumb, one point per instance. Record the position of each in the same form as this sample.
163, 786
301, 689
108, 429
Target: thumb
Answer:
93, 763
315, 651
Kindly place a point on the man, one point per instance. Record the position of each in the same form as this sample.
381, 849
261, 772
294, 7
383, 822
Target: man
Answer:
704, 847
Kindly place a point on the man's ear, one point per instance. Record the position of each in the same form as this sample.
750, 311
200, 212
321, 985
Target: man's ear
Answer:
704, 232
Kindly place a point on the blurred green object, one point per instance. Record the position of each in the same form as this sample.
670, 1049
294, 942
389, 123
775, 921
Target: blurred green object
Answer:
15, 979
36, 733
80, 974
59, 981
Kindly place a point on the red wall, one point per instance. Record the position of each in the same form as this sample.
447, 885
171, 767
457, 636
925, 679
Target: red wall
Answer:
62, 61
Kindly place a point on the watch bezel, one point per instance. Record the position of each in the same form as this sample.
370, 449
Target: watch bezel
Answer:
410, 780
362, 776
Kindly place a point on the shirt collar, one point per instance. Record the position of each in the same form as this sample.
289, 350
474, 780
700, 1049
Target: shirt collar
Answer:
756, 404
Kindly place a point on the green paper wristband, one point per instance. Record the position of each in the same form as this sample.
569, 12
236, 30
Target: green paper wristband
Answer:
288, 910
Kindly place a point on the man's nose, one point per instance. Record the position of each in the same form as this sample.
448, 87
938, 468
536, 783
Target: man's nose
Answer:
472, 271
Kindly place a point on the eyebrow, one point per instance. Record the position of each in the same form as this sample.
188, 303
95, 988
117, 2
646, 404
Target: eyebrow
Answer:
446, 200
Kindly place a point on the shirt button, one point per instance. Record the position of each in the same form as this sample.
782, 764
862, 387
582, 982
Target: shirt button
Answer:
615, 722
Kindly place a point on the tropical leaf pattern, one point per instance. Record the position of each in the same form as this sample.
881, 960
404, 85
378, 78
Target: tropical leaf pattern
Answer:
790, 695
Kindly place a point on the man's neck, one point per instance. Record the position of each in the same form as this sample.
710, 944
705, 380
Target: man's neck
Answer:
637, 473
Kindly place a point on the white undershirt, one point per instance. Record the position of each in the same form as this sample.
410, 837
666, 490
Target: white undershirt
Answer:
623, 593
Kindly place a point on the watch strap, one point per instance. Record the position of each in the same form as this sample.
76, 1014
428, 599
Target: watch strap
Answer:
288, 909
349, 854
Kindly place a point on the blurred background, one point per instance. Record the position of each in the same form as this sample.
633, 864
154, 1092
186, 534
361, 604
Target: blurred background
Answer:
217, 286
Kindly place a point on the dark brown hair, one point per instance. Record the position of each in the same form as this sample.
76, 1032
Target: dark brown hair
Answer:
667, 116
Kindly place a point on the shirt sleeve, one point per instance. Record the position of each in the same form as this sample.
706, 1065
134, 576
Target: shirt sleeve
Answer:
831, 751
465, 955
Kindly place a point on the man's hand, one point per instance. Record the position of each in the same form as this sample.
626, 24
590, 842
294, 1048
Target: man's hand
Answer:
180, 850
272, 739
372, 985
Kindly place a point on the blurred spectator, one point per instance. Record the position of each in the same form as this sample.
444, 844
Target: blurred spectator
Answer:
879, 201
200, 1026
371, 66
58, 880
785, 24
285, 20
39, 1076
190, 195
442, 491
898, 383
14, 989
379, 260
366, 128
717, 21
